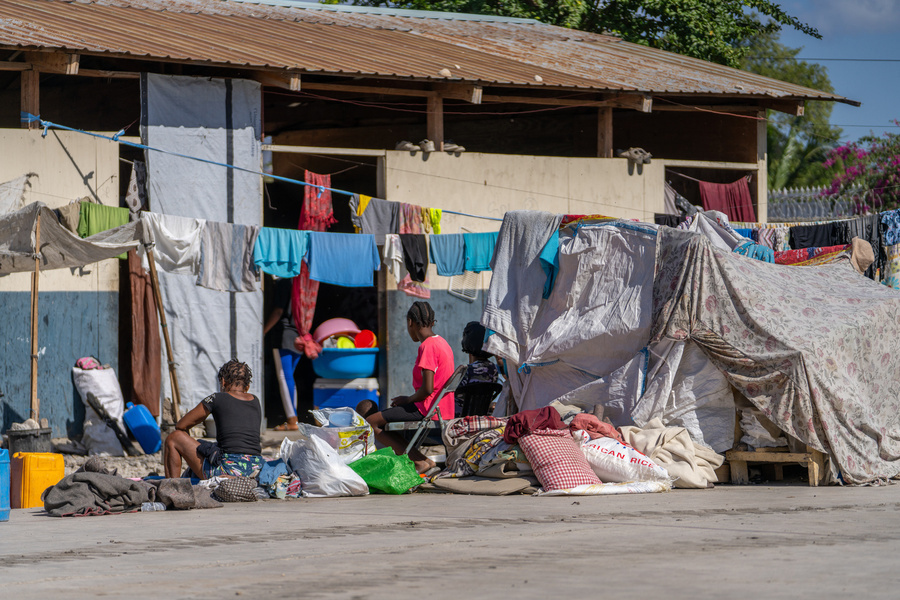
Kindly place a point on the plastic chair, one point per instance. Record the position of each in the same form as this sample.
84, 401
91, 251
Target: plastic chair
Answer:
475, 398
419, 428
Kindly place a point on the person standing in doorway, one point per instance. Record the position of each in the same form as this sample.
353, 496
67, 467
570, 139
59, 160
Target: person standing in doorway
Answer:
280, 333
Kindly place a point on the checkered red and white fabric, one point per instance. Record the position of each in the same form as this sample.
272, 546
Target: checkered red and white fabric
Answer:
558, 462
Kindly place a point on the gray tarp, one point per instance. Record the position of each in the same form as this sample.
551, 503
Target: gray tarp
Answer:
218, 120
60, 248
814, 348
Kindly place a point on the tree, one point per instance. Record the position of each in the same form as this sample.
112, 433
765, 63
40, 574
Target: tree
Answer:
872, 163
709, 29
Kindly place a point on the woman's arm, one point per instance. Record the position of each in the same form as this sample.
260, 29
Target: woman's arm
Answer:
273, 319
420, 394
194, 417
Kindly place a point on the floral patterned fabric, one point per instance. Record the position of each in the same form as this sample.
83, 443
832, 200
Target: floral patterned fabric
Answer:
890, 222
815, 349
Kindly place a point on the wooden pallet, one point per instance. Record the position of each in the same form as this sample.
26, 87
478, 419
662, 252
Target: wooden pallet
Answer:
738, 459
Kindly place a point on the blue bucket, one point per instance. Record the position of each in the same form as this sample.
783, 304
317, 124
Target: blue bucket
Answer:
144, 428
346, 363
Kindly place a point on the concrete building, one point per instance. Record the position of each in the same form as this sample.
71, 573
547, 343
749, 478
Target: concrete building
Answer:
540, 110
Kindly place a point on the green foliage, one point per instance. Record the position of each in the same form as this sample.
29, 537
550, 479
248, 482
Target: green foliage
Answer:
709, 29
873, 163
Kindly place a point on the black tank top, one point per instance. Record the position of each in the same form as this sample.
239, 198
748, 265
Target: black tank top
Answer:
237, 423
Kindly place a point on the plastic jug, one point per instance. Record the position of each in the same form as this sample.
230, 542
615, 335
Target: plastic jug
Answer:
30, 474
4, 485
143, 426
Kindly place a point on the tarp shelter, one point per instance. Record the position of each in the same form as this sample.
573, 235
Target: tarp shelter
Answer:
639, 314
32, 240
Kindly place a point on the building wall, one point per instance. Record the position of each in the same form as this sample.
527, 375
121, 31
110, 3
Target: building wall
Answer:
490, 185
78, 308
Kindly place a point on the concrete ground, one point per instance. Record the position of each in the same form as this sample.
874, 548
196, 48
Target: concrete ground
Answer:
766, 542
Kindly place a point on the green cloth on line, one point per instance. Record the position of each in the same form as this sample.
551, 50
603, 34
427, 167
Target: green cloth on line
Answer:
94, 218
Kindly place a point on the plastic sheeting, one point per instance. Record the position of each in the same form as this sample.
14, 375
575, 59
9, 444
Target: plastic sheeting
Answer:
814, 348
60, 248
218, 120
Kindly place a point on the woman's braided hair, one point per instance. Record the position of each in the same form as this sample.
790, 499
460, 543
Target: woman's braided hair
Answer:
235, 372
421, 314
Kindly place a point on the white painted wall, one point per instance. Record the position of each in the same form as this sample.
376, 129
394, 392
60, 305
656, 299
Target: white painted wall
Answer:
69, 166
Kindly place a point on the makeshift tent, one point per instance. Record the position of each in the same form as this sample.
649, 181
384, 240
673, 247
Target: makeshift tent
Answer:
639, 313
32, 240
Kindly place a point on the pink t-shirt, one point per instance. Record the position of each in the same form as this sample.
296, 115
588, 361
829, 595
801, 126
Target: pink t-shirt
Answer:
435, 355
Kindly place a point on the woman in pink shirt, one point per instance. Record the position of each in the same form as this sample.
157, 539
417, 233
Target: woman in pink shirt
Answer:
434, 366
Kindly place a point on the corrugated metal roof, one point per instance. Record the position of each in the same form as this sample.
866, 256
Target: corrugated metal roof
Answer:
377, 43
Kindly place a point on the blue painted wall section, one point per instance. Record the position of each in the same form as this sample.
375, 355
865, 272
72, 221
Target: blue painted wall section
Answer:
452, 314
71, 325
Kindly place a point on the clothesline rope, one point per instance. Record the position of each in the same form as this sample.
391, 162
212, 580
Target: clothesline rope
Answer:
46, 125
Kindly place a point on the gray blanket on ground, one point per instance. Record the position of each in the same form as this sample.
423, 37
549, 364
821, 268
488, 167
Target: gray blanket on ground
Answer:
94, 494
91, 493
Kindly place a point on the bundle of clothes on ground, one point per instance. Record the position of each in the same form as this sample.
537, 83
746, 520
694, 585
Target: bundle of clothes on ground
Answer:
561, 450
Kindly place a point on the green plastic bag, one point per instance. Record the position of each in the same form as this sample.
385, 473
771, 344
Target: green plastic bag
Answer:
384, 471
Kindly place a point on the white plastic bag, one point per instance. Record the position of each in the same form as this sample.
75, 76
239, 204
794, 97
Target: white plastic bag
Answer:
322, 473
608, 489
103, 383
344, 430
614, 462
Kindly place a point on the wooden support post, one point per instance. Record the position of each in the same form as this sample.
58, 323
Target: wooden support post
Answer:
762, 181
604, 133
173, 376
435, 121
815, 468
740, 474
30, 97
35, 403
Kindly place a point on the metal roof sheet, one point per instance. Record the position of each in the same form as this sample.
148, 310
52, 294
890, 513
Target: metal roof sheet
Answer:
331, 39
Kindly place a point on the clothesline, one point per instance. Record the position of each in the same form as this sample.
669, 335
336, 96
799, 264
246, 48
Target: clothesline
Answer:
27, 117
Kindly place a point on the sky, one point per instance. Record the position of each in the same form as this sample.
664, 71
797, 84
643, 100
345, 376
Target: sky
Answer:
857, 29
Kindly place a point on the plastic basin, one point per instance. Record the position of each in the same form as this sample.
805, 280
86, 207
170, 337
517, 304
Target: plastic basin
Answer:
349, 363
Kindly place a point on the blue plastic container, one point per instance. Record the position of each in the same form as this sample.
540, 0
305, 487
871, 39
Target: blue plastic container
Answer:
4, 485
143, 427
349, 363
338, 393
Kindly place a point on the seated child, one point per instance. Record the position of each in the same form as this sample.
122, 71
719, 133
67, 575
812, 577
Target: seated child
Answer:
480, 369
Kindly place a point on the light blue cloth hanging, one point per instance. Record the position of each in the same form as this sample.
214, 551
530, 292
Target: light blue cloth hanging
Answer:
448, 253
756, 251
479, 250
550, 262
346, 259
280, 252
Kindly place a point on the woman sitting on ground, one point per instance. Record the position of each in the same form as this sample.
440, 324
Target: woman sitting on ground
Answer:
237, 415
434, 366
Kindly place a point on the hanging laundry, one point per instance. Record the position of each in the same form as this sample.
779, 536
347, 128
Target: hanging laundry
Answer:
892, 266
782, 239
416, 289
816, 236
316, 214
345, 259
448, 253
415, 255
70, 215
426, 220
94, 218
176, 242
670, 196
435, 215
733, 199
141, 338
374, 216
226, 257
280, 252
890, 221
668, 220
393, 256
550, 262
479, 250
868, 227
411, 218
747, 233
136, 194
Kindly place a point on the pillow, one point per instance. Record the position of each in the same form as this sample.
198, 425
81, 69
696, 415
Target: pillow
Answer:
558, 462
